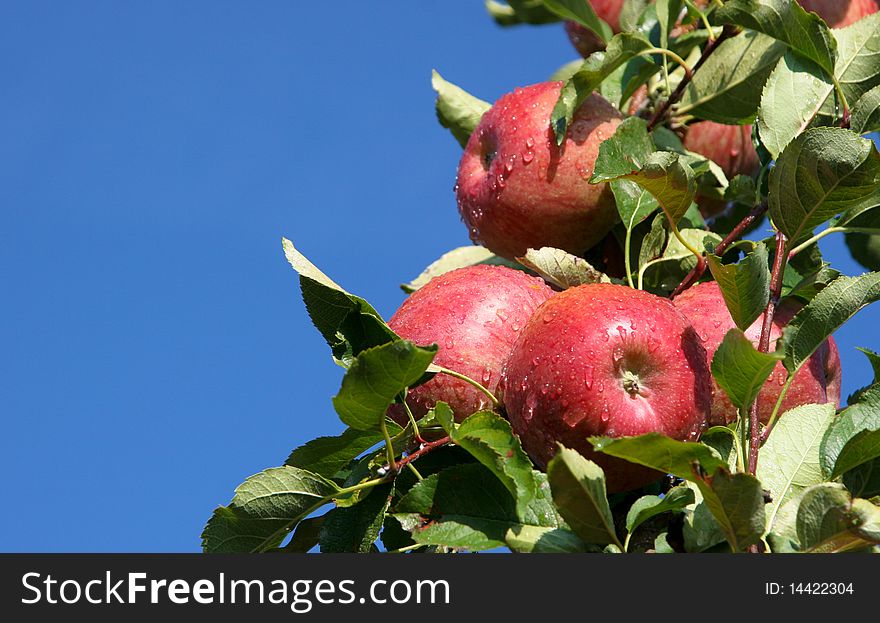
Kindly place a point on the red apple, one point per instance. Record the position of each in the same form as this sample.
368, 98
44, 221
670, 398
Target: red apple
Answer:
818, 381
605, 359
517, 190
474, 315
730, 146
840, 13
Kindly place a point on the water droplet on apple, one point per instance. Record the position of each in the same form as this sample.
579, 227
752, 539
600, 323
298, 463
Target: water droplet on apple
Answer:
716, 323
530, 142
450, 342
588, 377
548, 316
601, 387
527, 157
487, 374
606, 414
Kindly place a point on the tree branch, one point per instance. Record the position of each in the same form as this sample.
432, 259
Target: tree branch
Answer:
721, 248
726, 33
779, 262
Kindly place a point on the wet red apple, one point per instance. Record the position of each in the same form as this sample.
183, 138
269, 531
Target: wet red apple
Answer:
474, 315
840, 13
729, 146
605, 359
818, 381
517, 190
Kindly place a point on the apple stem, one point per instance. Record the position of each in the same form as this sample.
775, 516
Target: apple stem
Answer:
660, 114
389, 447
779, 261
722, 247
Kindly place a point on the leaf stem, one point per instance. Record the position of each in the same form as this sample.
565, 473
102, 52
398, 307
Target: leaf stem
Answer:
779, 261
626, 259
831, 230
626, 542
776, 408
660, 114
495, 402
721, 248
412, 420
415, 472
844, 116
389, 446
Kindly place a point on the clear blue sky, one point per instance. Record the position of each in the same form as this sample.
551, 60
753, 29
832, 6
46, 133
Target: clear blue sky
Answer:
154, 351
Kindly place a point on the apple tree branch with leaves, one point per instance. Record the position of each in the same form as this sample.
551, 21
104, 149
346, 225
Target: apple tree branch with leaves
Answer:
620, 363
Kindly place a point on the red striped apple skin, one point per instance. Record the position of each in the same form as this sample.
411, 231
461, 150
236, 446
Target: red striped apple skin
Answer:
818, 381
517, 190
605, 359
474, 315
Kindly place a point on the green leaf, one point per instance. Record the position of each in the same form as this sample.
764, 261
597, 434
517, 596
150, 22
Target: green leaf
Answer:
822, 172
561, 268
856, 66
537, 540
788, 462
667, 177
701, 531
661, 544
865, 249
264, 509
587, 79
745, 286
376, 377
305, 537
634, 203
460, 257
578, 487
864, 480
325, 456
741, 370
457, 110
828, 520
466, 507
489, 439
444, 415
819, 318
668, 12
793, 95
737, 503
807, 274
348, 323
649, 506
623, 152
865, 114
854, 437
516, 12
679, 458
786, 21
582, 13
355, 528
741, 189
727, 88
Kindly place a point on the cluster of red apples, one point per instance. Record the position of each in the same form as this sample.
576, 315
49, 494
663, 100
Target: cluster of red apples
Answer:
593, 360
